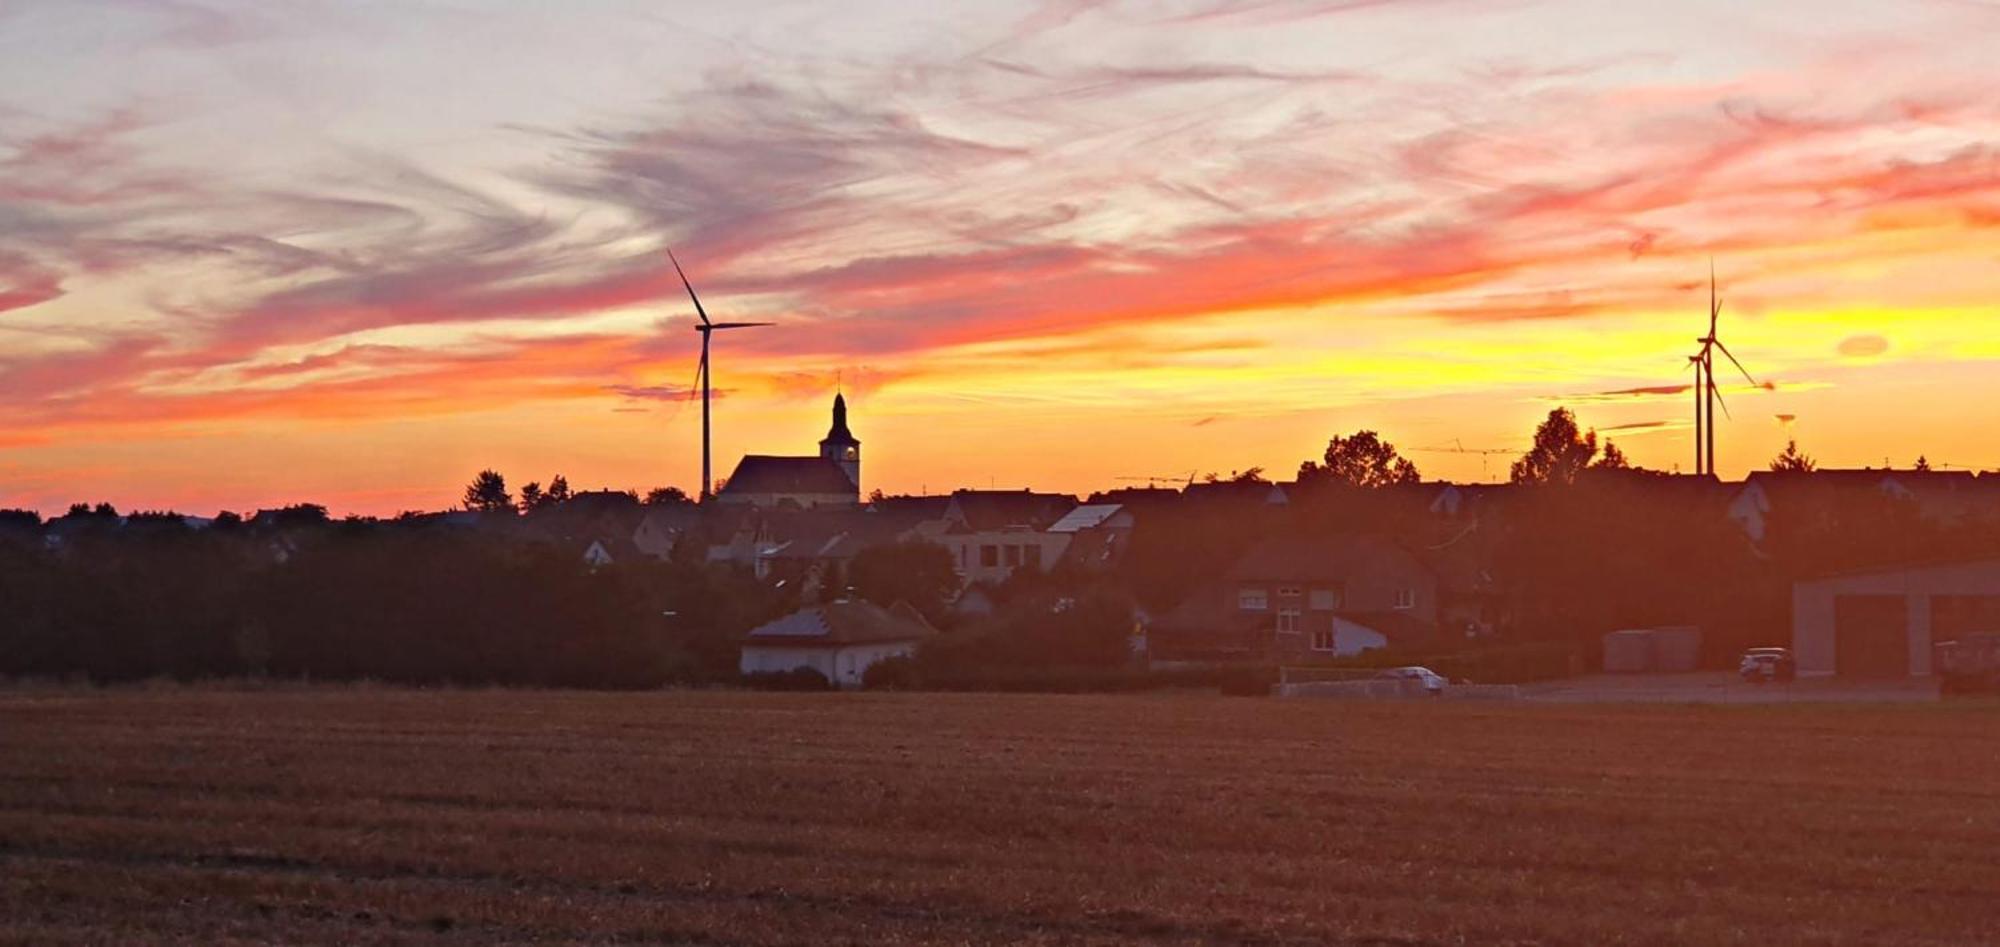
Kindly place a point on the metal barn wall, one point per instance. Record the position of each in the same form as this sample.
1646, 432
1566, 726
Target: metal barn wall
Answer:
1813, 609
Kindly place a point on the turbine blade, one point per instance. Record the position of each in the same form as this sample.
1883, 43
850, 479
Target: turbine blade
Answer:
703, 313
1716, 393
1714, 302
1739, 365
739, 325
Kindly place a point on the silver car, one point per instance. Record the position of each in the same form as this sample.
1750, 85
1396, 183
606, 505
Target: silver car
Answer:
1432, 681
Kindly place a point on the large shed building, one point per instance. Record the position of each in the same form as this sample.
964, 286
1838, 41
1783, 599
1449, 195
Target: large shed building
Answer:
1883, 623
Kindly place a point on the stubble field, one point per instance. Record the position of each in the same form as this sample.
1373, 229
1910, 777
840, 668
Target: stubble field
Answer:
386, 816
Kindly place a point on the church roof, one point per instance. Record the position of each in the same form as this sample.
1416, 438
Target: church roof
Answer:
758, 473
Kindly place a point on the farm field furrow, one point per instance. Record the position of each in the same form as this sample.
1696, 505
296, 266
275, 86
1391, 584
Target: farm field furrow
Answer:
385, 816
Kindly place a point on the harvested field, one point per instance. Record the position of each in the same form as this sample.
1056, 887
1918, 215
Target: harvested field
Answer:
384, 816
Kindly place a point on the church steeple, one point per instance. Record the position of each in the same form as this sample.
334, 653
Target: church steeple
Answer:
840, 445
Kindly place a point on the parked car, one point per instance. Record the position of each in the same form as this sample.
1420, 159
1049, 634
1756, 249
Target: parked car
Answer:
1970, 663
1761, 665
1431, 680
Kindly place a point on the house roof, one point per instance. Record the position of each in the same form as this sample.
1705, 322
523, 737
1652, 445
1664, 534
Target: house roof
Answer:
843, 623
759, 473
1084, 517
1305, 558
1237, 491
983, 510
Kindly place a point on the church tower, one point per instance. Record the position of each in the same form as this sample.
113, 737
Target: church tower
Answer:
839, 444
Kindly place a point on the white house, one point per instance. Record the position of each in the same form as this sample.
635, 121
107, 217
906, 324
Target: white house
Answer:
840, 640
992, 533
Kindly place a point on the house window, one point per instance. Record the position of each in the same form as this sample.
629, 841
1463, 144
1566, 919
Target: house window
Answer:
1288, 621
1406, 598
1032, 555
1324, 600
1288, 591
989, 556
1252, 600
1013, 556
1322, 641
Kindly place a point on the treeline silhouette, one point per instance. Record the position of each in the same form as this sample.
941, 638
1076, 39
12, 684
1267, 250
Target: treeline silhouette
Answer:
1580, 544
347, 601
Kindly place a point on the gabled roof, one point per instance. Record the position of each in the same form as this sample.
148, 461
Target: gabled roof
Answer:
1237, 491
911, 510
843, 623
1305, 558
759, 473
984, 510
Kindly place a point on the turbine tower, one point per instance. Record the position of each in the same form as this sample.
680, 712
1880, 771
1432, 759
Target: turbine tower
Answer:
1708, 395
706, 328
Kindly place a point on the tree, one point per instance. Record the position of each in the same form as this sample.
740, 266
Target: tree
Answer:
1561, 451
531, 496
1793, 461
1253, 475
558, 491
488, 493
1613, 459
1363, 460
919, 573
1923, 464
667, 496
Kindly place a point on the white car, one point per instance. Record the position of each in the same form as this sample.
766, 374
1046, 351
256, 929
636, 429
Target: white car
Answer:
1432, 681
1767, 664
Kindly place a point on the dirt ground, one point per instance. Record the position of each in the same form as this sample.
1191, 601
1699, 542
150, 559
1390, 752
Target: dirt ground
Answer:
1725, 687
370, 816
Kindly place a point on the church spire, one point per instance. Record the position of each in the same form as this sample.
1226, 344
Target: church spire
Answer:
839, 430
840, 445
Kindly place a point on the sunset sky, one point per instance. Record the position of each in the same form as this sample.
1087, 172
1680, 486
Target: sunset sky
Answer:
352, 253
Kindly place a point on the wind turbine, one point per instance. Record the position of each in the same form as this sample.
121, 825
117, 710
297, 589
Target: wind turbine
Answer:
1706, 389
706, 328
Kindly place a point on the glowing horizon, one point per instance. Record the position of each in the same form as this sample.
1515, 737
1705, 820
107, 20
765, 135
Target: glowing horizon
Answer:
354, 256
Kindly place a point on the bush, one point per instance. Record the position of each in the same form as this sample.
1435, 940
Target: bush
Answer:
898, 673
796, 679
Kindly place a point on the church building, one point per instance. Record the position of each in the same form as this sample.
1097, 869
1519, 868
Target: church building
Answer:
831, 479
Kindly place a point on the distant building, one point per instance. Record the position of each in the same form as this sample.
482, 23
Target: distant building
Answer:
830, 479
992, 533
841, 640
1296, 597
1882, 623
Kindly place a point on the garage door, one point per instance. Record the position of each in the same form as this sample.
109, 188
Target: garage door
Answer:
1871, 636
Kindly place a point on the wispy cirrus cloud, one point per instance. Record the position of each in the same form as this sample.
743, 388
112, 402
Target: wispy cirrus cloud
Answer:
1008, 204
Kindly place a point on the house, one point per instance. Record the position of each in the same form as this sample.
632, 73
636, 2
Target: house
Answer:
841, 640
1295, 598
832, 478
991, 533
1883, 622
